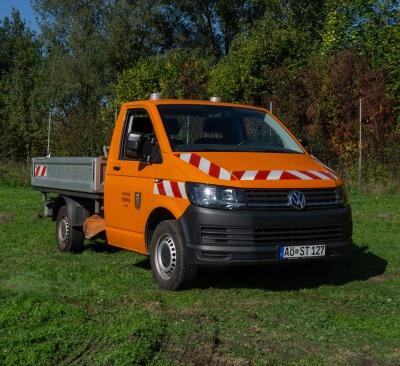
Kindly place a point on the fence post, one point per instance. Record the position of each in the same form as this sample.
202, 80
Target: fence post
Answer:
360, 148
48, 135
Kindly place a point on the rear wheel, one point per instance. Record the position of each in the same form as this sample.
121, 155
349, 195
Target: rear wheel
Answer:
68, 237
168, 257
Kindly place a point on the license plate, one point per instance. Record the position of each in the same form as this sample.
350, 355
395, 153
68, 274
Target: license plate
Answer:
301, 251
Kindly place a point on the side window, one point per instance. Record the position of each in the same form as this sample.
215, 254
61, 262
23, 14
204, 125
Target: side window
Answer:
136, 120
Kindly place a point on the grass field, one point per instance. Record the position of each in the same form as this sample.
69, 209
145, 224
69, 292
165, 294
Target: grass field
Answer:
102, 307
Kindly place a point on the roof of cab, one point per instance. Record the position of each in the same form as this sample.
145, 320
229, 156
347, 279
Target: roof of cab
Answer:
161, 101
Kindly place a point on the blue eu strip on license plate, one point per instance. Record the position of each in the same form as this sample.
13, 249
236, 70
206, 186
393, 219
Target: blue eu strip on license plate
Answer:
301, 251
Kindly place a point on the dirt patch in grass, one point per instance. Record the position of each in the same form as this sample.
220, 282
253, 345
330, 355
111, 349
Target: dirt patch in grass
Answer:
386, 215
376, 279
200, 352
6, 217
36, 216
384, 277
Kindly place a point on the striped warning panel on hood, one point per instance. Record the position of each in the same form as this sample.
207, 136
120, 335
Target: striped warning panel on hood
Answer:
326, 167
281, 175
206, 166
218, 172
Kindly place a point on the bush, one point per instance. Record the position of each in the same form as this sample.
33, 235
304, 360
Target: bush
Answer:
15, 174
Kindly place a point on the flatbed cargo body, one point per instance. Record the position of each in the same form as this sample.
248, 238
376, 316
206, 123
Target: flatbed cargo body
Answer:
79, 176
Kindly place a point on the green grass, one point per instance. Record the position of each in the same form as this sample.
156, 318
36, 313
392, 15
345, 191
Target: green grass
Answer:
102, 307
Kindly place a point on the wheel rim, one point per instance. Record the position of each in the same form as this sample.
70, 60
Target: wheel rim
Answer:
63, 230
166, 256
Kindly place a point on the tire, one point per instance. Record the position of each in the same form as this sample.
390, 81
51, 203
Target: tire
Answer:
168, 257
68, 237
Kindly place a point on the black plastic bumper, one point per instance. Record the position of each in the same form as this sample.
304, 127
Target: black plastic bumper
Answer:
222, 238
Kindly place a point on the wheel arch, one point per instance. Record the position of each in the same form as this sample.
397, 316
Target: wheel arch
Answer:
157, 216
77, 212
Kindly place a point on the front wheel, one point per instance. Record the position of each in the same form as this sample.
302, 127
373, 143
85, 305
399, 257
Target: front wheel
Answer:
168, 257
68, 237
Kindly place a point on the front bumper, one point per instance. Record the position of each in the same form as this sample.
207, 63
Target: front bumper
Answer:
222, 238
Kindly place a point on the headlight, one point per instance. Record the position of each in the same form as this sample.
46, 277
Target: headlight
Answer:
210, 196
341, 196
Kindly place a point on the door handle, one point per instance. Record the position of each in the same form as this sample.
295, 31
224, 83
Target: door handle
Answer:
117, 168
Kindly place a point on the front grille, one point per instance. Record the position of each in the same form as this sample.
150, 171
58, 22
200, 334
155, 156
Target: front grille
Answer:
274, 236
278, 199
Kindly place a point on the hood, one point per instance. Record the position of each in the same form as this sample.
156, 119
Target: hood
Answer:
270, 170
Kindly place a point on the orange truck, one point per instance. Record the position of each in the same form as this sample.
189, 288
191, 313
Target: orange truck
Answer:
199, 184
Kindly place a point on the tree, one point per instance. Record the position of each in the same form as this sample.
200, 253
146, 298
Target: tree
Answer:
373, 26
211, 25
177, 74
335, 83
285, 36
88, 44
77, 75
20, 59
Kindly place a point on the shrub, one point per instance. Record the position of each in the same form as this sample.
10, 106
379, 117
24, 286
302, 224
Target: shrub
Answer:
14, 174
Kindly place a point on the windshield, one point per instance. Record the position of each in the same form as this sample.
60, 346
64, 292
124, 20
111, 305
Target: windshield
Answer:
224, 128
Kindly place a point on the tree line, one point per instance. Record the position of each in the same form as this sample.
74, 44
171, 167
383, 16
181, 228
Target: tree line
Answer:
311, 61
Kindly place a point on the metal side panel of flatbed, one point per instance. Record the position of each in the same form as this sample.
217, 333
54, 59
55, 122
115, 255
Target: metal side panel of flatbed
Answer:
70, 174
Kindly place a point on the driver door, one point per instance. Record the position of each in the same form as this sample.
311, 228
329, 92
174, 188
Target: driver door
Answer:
129, 189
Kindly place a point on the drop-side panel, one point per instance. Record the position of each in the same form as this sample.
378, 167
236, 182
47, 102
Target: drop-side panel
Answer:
78, 174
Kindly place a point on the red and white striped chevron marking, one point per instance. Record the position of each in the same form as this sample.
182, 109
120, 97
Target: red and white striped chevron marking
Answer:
170, 189
41, 171
216, 171
281, 175
326, 167
206, 166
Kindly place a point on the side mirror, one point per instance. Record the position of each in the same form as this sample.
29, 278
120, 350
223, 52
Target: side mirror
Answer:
134, 145
304, 142
138, 146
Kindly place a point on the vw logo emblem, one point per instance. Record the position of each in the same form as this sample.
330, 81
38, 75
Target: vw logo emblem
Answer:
297, 200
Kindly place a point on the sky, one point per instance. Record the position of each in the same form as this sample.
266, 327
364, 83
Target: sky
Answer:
24, 8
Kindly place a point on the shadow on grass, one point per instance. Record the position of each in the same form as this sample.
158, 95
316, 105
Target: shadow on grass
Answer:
359, 265
100, 246
143, 264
